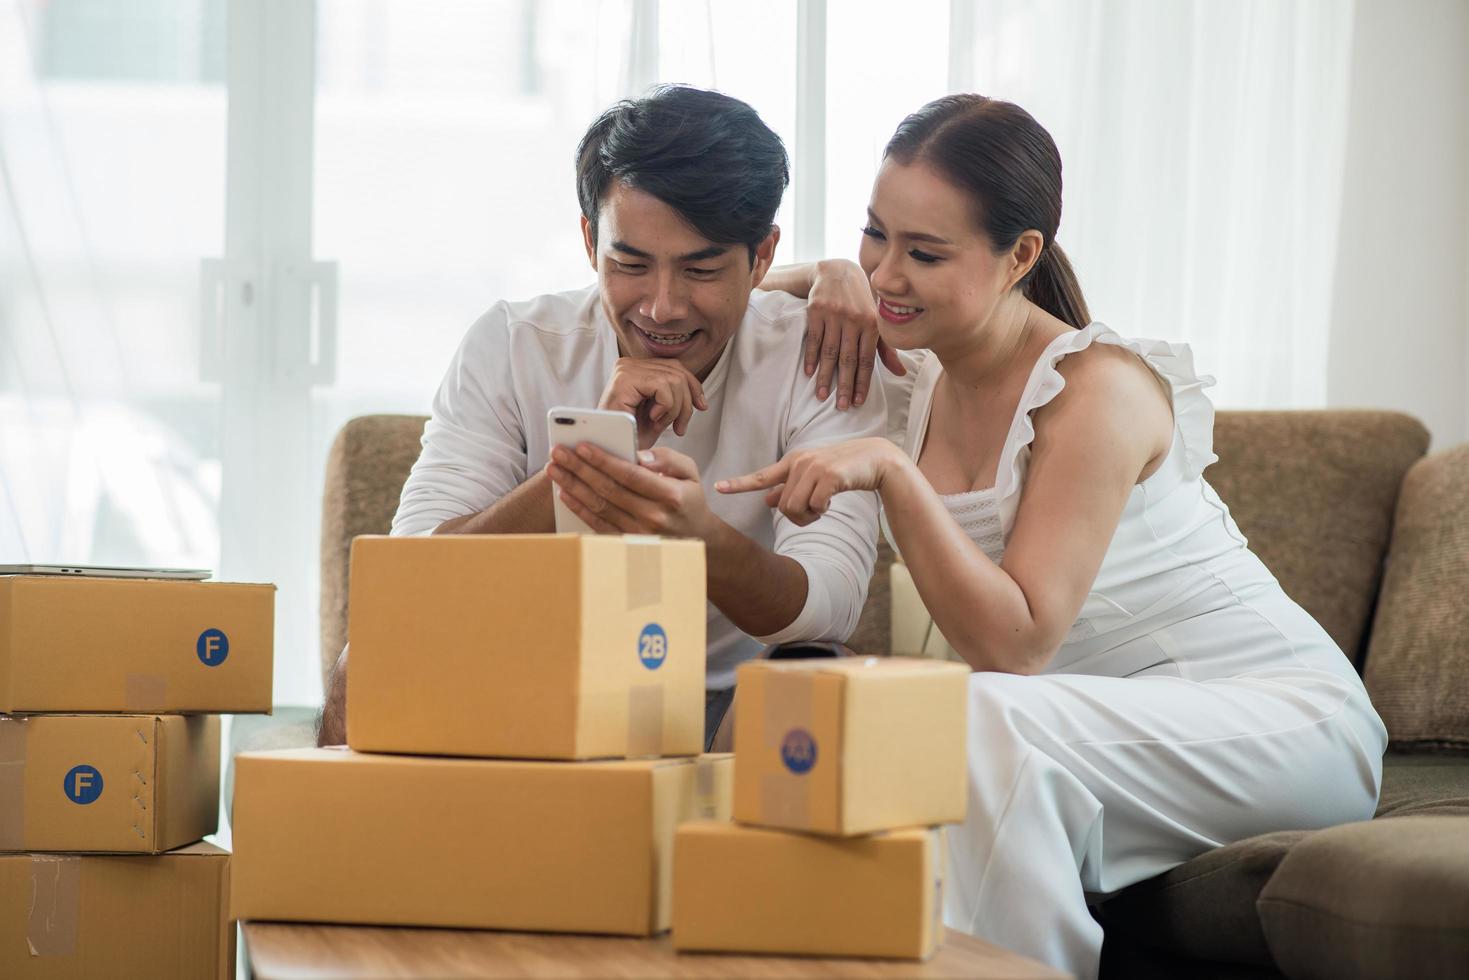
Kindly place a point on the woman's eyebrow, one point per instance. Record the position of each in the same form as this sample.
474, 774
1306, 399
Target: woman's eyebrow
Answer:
916, 236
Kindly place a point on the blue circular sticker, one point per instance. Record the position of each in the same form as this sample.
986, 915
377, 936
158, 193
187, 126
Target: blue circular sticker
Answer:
83, 784
652, 646
213, 647
798, 751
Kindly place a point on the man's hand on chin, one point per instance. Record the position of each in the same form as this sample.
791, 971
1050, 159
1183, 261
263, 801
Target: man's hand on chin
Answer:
661, 495
658, 392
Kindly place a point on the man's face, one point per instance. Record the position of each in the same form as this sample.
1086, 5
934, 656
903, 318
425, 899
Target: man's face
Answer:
668, 291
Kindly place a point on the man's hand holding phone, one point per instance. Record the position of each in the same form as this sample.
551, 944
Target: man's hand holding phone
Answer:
660, 494
658, 392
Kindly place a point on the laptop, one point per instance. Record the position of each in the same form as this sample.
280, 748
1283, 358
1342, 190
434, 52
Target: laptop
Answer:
108, 571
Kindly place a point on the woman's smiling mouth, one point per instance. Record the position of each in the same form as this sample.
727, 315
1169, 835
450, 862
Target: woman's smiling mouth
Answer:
894, 313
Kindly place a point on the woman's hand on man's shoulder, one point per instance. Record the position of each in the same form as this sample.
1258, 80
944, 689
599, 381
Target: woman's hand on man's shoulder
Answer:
842, 340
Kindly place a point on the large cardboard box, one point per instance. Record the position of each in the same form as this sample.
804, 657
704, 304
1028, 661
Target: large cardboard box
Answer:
135, 645
747, 889
332, 835
77, 917
527, 646
850, 745
128, 783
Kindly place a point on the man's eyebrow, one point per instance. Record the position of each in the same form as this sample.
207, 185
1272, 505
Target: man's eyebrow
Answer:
624, 247
916, 236
713, 251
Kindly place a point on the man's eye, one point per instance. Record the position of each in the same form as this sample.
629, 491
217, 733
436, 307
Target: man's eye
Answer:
873, 233
924, 256
628, 266
703, 272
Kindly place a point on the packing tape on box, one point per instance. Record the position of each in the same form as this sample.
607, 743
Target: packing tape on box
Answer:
56, 904
146, 692
786, 795
644, 721
644, 567
12, 783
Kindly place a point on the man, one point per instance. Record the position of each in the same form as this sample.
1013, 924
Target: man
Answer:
678, 194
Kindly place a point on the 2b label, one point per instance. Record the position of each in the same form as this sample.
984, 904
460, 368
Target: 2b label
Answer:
652, 646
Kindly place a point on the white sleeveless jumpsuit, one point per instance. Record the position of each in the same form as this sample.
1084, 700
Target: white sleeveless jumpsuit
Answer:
1192, 703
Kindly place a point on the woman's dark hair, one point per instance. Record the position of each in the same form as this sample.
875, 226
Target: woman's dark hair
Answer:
1009, 165
708, 156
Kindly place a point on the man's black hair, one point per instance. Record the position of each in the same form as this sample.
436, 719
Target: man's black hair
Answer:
708, 156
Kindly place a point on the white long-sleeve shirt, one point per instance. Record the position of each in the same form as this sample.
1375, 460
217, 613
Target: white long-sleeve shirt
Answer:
487, 435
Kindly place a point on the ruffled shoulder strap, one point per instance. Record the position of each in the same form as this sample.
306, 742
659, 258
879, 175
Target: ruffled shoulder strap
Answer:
906, 394
1193, 412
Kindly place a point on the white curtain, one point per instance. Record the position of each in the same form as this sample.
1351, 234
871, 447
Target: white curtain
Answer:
111, 188
1202, 149
1202, 144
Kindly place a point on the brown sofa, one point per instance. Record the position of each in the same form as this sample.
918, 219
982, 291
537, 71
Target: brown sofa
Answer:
1369, 536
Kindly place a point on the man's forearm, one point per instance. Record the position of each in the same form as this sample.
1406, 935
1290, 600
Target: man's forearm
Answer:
761, 592
525, 510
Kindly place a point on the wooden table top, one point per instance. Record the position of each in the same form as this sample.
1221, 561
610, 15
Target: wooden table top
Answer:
291, 951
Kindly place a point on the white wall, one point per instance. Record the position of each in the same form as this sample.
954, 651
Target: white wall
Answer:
1400, 314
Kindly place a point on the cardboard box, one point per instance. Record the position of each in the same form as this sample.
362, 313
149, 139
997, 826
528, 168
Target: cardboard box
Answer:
747, 889
128, 783
527, 646
851, 745
76, 917
331, 835
134, 645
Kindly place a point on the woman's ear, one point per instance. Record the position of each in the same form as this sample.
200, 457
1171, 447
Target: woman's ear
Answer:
1024, 254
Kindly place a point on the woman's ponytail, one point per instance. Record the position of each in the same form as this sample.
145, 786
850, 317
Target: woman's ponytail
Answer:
1052, 286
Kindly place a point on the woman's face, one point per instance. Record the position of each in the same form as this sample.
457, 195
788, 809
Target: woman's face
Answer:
934, 272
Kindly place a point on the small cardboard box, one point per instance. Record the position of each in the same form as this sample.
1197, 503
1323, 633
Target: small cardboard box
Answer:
331, 835
135, 645
747, 889
850, 745
75, 917
528, 646
125, 783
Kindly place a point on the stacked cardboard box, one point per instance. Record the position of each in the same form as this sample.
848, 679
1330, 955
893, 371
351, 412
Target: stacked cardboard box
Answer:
525, 715
109, 770
843, 771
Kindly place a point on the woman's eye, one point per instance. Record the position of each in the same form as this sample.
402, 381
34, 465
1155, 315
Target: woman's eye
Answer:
923, 256
873, 233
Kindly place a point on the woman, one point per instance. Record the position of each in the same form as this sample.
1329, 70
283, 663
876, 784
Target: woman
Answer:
1144, 689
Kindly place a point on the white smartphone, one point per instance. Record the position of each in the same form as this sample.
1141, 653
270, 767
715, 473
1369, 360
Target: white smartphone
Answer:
613, 432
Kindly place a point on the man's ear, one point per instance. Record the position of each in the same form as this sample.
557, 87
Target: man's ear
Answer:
1024, 254
589, 239
764, 256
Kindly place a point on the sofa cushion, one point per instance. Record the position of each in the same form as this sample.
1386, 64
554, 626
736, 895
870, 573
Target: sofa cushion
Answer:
1418, 661
365, 472
1314, 492
1380, 898
873, 634
1419, 784
1204, 908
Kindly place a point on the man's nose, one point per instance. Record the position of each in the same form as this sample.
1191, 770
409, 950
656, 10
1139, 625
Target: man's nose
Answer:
668, 302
